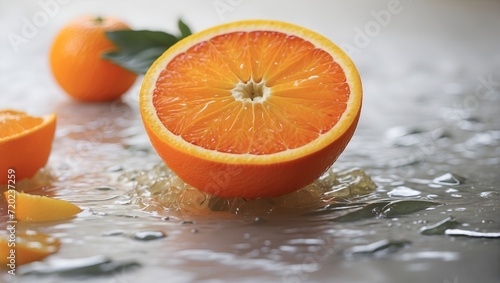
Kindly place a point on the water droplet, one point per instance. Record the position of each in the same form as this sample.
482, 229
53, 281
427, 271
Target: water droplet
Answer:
306, 241
80, 267
403, 191
472, 234
115, 168
368, 211
288, 249
148, 235
400, 131
471, 124
449, 179
128, 176
242, 246
127, 216
124, 202
259, 220
377, 249
442, 255
435, 186
105, 188
113, 233
489, 194
489, 138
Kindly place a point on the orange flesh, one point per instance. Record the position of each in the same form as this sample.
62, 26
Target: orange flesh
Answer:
211, 99
13, 122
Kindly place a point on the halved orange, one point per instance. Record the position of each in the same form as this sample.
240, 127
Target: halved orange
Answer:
25, 144
251, 108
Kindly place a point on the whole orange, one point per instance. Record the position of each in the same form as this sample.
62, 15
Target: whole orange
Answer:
75, 60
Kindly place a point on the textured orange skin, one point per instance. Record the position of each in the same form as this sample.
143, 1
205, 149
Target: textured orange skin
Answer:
76, 62
26, 154
258, 180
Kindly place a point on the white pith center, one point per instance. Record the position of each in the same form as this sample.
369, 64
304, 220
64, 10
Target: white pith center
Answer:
251, 91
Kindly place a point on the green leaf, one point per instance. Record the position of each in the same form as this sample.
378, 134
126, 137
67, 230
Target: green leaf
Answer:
136, 50
137, 62
184, 29
138, 40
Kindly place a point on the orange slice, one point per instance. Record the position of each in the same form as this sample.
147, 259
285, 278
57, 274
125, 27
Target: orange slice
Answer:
252, 108
25, 144
35, 208
28, 246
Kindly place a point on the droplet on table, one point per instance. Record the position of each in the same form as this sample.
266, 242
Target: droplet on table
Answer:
148, 235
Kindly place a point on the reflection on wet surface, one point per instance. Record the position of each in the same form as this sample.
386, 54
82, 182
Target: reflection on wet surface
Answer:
387, 200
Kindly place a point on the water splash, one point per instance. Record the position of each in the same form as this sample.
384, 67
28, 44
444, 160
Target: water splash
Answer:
160, 190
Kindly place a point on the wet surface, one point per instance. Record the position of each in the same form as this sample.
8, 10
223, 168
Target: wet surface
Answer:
429, 139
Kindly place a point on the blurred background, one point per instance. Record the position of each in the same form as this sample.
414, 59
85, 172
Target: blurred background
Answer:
412, 55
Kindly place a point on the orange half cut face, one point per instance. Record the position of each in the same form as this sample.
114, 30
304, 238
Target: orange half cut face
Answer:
267, 99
